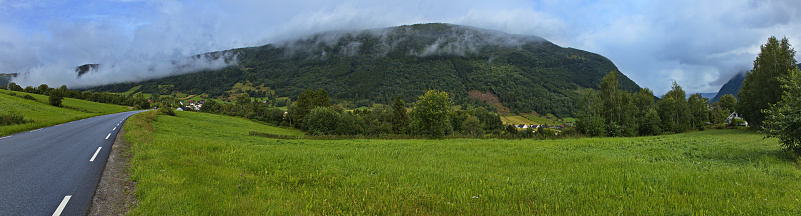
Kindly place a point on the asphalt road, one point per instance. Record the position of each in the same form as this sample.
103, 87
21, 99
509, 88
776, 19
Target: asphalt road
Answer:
56, 169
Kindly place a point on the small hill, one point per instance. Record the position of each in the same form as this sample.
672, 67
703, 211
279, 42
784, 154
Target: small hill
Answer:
527, 73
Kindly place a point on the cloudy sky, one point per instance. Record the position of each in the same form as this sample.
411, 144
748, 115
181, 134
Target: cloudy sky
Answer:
699, 44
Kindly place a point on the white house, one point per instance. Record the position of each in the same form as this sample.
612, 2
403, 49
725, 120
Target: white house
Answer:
735, 115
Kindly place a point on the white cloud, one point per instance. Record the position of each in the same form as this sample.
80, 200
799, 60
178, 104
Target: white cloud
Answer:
699, 44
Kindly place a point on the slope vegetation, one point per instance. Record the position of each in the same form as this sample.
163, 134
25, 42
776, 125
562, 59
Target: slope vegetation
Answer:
38, 114
527, 73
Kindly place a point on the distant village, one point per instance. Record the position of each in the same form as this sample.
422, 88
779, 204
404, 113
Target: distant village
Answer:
189, 105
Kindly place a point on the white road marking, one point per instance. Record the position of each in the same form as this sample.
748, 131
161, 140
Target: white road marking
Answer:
115, 128
108, 136
5, 137
62, 205
36, 130
93, 156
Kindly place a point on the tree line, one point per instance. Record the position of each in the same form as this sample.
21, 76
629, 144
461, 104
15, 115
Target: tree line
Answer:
57, 94
432, 116
611, 111
770, 101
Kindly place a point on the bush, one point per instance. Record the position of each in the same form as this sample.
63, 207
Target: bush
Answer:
12, 118
166, 111
55, 99
569, 131
350, 124
322, 121
29, 97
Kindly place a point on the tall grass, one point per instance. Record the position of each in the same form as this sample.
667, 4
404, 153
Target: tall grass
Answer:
202, 164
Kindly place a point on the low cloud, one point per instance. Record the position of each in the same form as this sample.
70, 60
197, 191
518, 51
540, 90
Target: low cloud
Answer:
699, 44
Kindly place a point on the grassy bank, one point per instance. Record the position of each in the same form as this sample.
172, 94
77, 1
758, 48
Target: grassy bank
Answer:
201, 164
38, 113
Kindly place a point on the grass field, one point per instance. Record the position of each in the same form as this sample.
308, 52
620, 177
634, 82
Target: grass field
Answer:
202, 164
510, 119
41, 114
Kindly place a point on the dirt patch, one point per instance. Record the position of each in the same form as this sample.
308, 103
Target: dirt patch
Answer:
115, 192
490, 99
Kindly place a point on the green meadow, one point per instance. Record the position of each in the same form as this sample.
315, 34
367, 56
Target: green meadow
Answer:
204, 164
38, 113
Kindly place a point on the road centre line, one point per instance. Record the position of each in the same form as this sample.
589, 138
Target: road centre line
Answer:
115, 128
93, 156
62, 205
108, 135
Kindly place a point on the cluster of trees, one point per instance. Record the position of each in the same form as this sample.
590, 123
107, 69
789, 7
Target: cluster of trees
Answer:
770, 99
57, 94
615, 112
431, 116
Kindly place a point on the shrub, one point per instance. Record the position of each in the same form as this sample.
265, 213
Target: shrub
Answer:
322, 121
29, 97
55, 99
166, 111
12, 118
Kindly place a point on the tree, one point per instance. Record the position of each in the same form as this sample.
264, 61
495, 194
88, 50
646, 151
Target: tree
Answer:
783, 119
350, 124
644, 104
307, 101
322, 121
618, 108
761, 86
400, 119
321, 98
472, 126
490, 121
14, 87
43, 89
728, 102
673, 110
589, 120
716, 114
211, 106
55, 98
651, 123
243, 99
698, 106
430, 114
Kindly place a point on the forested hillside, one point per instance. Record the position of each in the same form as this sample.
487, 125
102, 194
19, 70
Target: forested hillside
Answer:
526, 73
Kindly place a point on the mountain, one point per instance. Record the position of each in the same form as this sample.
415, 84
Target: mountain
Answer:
5, 78
526, 73
83, 69
708, 95
733, 86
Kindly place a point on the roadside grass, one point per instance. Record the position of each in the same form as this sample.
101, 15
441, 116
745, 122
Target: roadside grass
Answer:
203, 164
39, 114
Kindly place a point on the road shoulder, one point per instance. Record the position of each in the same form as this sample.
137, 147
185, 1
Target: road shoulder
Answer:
115, 192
